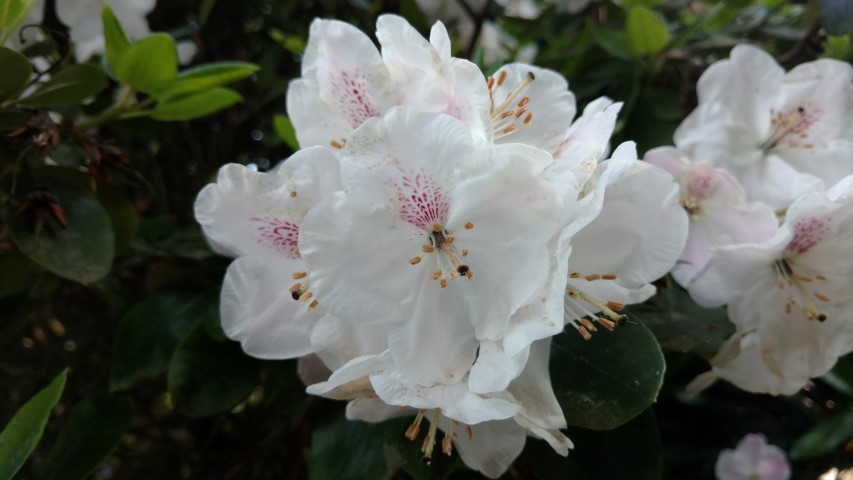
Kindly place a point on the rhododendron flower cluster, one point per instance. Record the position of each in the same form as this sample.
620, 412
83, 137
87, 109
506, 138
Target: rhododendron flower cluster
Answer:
765, 165
434, 233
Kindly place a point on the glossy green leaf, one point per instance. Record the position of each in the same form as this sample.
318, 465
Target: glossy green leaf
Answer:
151, 331
606, 381
21, 435
123, 215
16, 73
647, 31
149, 65
207, 76
827, 435
82, 251
680, 324
114, 37
636, 446
12, 13
358, 450
195, 105
611, 41
68, 87
94, 429
285, 130
207, 377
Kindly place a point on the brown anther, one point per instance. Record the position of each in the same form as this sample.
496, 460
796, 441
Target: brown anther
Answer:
588, 325
469, 225
593, 277
336, 144
527, 119
463, 270
491, 82
437, 228
508, 130
450, 238
505, 115
436, 274
616, 306
501, 77
295, 287
788, 307
427, 248
306, 297
313, 305
413, 430
605, 323
464, 253
623, 319
443, 283
524, 101
293, 194
447, 445
468, 432
572, 293
298, 275
584, 333
804, 278
574, 275
520, 113
609, 276
820, 277
821, 297
415, 260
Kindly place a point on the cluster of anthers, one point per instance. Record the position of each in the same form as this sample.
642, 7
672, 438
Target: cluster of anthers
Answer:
507, 118
791, 127
796, 280
440, 240
582, 318
299, 290
428, 446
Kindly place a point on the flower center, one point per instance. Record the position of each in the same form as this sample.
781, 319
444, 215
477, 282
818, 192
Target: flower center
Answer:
447, 259
582, 318
799, 294
507, 117
790, 128
429, 441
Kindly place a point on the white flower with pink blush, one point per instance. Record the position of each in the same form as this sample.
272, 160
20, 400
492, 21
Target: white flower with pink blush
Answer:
753, 459
717, 209
789, 297
780, 134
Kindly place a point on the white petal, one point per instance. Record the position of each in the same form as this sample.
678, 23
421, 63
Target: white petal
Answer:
255, 311
533, 391
494, 369
492, 448
374, 410
586, 141
337, 341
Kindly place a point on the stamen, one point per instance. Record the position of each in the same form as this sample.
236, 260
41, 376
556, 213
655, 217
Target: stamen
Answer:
427, 248
447, 441
616, 306
443, 283
298, 290
574, 275
337, 144
514, 93
501, 77
464, 253
609, 276
463, 270
443, 241
810, 310
593, 277
821, 297
605, 323
415, 260
415, 428
293, 194
429, 441
604, 307
583, 331
298, 275
436, 274
313, 305
587, 324
469, 225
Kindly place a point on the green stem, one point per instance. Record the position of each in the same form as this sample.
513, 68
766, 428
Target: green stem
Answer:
120, 107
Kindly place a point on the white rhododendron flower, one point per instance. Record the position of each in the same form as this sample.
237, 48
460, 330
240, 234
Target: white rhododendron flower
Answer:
586, 142
780, 134
753, 459
457, 238
789, 297
717, 208
256, 217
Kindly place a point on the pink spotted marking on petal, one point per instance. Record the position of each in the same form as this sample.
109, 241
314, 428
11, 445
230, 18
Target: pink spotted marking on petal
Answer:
423, 201
278, 234
790, 128
808, 232
702, 184
353, 98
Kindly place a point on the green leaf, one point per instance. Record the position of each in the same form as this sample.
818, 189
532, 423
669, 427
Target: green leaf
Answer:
827, 435
16, 73
358, 450
114, 37
22, 434
18, 273
680, 324
151, 331
841, 376
12, 13
285, 130
123, 215
82, 251
208, 377
94, 429
647, 31
592, 457
205, 77
68, 87
606, 381
149, 65
194, 105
